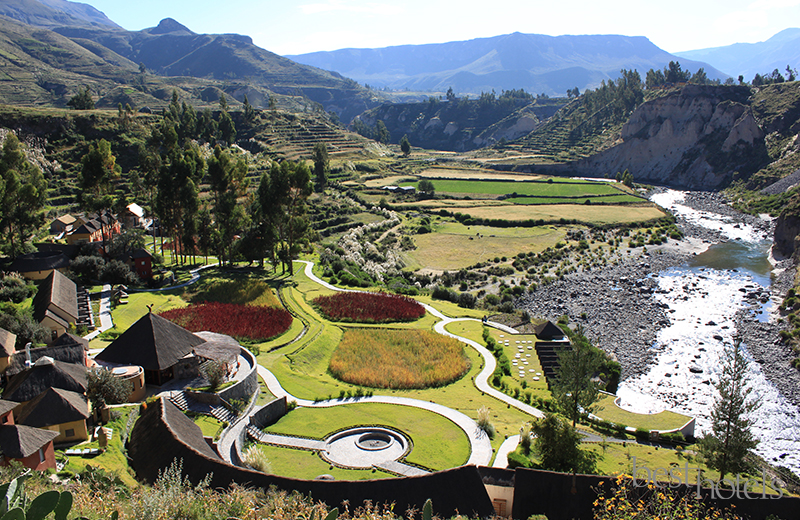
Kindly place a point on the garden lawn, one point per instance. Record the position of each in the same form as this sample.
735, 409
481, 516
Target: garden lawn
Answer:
126, 315
438, 443
209, 425
666, 420
241, 289
308, 465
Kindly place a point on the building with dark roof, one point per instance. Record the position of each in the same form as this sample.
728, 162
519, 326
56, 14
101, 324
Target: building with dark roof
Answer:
62, 224
164, 350
39, 265
57, 410
30, 446
140, 261
44, 374
548, 331
55, 305
63, 349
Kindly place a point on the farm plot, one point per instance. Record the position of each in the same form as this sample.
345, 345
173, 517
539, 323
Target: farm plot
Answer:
455, 246
556, 188
586, 213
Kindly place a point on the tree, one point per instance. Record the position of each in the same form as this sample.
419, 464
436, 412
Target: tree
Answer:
23, 192
731, 438
405, 146
382, 132
82, 100
451, 96
575, 388
791, 74
321, 165
558, 446
99, 170
104, 388
426, 186
228, 183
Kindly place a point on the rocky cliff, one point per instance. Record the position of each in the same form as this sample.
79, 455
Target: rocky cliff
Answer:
698, 137
787, 228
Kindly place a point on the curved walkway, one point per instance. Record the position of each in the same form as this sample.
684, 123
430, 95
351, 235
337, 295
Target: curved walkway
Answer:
482, 379
481, 449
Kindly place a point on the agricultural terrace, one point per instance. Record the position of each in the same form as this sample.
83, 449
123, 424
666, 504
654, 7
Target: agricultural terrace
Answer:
552, 188
401, 359
250, 323
586, 213
453, 246
473, 174
368, 307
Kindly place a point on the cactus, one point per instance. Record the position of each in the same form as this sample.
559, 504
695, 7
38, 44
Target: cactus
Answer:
427, 510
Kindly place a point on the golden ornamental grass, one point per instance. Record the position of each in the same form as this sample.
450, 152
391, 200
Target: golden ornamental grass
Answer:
399, 359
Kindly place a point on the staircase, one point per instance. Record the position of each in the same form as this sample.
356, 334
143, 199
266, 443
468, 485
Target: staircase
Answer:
548, 357
222, 414
180, 400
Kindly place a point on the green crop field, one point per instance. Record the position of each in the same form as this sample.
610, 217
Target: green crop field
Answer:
557, 188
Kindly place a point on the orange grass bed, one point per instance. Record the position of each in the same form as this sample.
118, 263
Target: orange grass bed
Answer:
398, 359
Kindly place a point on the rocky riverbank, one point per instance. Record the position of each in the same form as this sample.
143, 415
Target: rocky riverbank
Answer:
619, 309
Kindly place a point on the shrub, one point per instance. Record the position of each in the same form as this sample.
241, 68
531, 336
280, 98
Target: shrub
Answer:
402, 359
484, 421
243, 322
255, 457
369, 307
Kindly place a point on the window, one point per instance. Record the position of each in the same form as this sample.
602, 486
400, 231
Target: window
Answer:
70, 432
41, 455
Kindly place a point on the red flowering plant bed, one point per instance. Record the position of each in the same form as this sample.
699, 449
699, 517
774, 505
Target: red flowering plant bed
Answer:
369, 307
243, 322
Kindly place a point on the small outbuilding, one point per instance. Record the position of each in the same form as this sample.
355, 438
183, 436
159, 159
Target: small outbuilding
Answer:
8, 342
548, 331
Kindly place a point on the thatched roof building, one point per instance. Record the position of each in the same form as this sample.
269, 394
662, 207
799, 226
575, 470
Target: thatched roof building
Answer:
548, 331
54, 406
68, 348
153, 343
19, 442
56, 303
44, 374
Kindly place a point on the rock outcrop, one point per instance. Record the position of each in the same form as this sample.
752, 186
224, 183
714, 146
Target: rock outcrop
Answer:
697, 137
787, 229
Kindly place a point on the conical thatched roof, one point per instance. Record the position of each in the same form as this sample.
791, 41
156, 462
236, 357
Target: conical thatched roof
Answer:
68, 339
548, 330
54, 406
153, 343
18, 441
46, 373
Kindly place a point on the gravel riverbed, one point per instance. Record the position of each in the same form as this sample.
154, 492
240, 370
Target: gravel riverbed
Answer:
619, 308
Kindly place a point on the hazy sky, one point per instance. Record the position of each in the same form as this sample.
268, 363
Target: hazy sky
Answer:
296, 27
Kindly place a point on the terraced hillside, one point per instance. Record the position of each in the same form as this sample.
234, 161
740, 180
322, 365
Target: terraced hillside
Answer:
294, 135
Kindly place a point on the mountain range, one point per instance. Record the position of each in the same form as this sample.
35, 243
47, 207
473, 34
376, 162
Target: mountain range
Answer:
535, 62
749, 59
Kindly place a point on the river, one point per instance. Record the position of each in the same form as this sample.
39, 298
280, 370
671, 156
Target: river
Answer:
702, 300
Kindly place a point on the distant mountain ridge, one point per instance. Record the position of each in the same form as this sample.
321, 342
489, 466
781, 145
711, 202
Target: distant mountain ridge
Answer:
55, 13
535, 62
750, 59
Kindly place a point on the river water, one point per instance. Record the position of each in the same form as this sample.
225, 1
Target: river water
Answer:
702, 300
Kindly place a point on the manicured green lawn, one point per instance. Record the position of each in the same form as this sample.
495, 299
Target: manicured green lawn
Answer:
437, 442
665, 420
288, 462
209, 425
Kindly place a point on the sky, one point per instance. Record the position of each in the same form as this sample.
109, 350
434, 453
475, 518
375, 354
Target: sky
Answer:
298, 27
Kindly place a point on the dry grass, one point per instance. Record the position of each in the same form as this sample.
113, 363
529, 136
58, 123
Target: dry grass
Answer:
402, 359
581, 212
455, 173
455, 246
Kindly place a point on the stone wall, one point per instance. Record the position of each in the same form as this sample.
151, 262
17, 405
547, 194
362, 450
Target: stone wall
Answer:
247, 387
